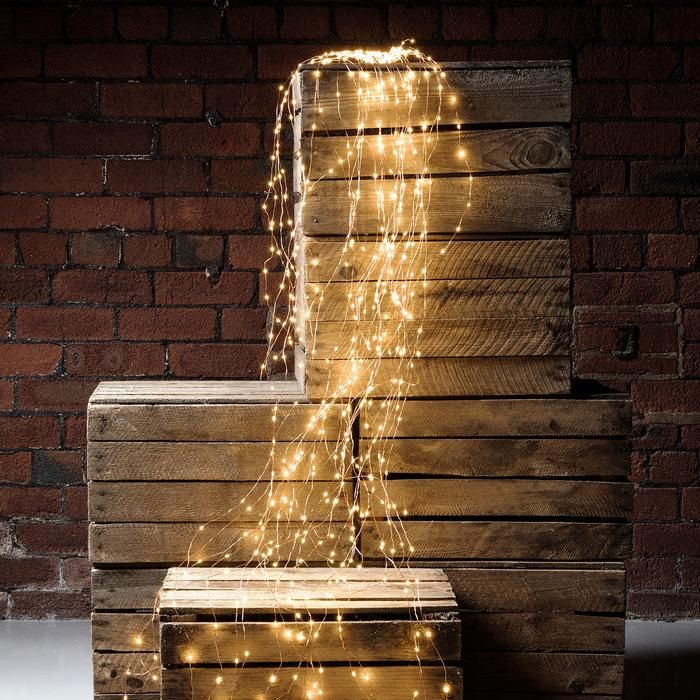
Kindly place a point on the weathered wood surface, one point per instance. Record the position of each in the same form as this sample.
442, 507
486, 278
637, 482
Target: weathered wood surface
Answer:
125, 631
481, 151
555, 541
525, 92
440, 376
378, 640
526, 498
533, 203
504, 457
126, 589
126, 673
334, 260
182, 578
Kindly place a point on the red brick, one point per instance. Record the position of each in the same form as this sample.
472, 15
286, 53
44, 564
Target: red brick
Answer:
514, 23
33, 502
16, 467
75, 432
690, 211
199, 251
7, 248
658, 606
28, 359
18, 138
663, 396
690, 505
76, 502
594, 365
692, 139
55, 394
28, 431
690, 288
579, 247
655, 504
304, 22
672, 251
5, 323
240, 175
630, 138
6, 22
147, 251
655, 338
204, 213
23, 286
591, 100
598, 176
64, 323
38, 22
151, 100
216, 360
102, 286
6, 395
80, 138
59, 467
575, 24
186, 62
34, 605
677, 23
76, 572
241, 100
196, 23
141, 176
167, 324
617, 251
690, 575
413, 21
96, 60
143, 22
47, 99
674, 100
195, 288
661, 177
90, 23
691, 360
277, 61
674, 467
100, 212
20, 61
95, 249
252, 21
691, 324
248, 252
605, 288
625, 23
18, 572
667, 540
353, 23
50, 175
626, 213
651, 574
239, 139
22, 212
115, 360
627, 62
244, 324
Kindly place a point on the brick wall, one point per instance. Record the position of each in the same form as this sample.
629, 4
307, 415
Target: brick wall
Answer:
132, 146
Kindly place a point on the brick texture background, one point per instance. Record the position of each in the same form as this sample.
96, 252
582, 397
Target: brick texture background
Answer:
132, 156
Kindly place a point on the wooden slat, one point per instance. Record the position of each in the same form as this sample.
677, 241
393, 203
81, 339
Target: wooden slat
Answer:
383, 683
202, 501
487, 150
333, 260
514, 203
133, 696
125, 631
448, 299
506, 418
486, 695
205, 461
379, 640
504, 457
554, 673
244, 422
126, 673
498, 540
537, 631
526, 498
126, 589
439, 376
528, 337
522, 93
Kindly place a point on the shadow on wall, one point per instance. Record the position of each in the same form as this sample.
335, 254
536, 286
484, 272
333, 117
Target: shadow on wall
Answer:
662, 660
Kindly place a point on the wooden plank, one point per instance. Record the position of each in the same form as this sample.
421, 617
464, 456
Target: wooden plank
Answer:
486, 695
126, 673
132, 696
554, 673
382, 683
536, 94
517, 337
202, 501
497, 540
125, 631
481, 151
539, 631
444, 299
336, 261
126, 589
526, 498
504, 418
181, 422
205, 461
440, 376
378, 640
503, 457
497, 204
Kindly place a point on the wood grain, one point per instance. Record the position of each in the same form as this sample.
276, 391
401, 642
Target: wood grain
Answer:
125, 631
126, 589
125, 673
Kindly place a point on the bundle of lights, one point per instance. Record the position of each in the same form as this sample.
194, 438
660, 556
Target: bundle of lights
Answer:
297, 518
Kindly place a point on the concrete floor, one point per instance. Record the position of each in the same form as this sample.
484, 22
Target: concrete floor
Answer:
51, 659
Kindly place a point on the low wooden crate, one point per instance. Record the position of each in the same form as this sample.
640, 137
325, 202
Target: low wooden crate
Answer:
247, 641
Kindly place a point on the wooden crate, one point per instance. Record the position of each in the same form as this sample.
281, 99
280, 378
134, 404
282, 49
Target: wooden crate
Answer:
497, 296
371, 651
525, 504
